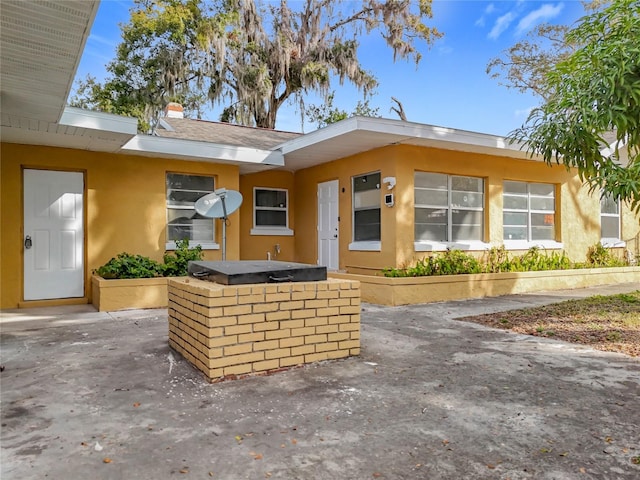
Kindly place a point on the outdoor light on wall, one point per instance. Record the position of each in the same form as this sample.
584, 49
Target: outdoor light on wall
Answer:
391, 181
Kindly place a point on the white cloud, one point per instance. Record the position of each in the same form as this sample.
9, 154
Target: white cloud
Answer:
542, 14
502, 23
487, 11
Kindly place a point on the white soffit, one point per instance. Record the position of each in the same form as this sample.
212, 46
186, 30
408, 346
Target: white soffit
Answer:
360, 134
248, 159
79, 129
42, 43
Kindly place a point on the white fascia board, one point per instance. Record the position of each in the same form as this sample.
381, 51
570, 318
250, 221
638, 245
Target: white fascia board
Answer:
318, 136
405, 132
206, 151
108, 122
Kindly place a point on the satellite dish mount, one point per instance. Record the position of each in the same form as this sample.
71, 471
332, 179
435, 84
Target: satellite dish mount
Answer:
220, 204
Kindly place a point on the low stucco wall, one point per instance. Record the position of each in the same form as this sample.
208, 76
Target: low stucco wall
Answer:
414, 290
111, 295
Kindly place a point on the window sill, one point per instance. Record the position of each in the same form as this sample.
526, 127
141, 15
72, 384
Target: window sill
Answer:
365, 246
442, 246
526, 245
613, 243
281, 231
169, 246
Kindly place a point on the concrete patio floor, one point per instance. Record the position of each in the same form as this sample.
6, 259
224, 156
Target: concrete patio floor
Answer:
88, 395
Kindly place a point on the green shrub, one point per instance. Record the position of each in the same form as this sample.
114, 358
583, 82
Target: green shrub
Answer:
125, 265
451, 262
176, 262
599, 256
497, 259
535, 260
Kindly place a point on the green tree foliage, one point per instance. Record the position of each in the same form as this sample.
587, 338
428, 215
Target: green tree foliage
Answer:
326, 114
250, 56
592, 93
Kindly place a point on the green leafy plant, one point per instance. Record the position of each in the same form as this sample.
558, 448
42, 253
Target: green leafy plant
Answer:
497, 259
535, 260
600, 256
176, 262
451, 262
125, 265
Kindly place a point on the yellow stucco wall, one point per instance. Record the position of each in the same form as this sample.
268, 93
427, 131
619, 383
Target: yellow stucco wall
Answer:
255, 247
577, 212
306, 217
125, 206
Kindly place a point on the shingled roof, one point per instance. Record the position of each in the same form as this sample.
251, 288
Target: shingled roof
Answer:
223, 133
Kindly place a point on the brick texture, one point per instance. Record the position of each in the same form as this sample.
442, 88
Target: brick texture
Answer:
226, 331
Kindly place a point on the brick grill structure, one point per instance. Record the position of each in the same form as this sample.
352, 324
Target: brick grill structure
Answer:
230, 331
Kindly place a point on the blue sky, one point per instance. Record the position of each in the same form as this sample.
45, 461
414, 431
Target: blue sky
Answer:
449, 88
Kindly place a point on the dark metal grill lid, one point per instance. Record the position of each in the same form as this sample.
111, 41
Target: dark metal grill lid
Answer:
256, 271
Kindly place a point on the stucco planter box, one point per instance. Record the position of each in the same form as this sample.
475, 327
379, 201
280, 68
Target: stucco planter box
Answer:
111, 295
413, 290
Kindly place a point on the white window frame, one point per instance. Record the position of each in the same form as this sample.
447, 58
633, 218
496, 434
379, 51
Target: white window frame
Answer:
171, 244
275, 229
364, 245
438, 246
528, 243
612, 241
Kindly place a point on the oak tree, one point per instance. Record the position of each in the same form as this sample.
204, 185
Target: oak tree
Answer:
251, 56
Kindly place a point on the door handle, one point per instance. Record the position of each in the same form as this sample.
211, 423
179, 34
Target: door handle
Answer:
27, 242
335, 235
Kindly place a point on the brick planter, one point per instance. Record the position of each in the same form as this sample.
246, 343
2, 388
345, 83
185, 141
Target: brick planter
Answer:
230, 331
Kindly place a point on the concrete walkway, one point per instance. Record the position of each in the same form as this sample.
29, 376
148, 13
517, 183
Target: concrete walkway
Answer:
429, 398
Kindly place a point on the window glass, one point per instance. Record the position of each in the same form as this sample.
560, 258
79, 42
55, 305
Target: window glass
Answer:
183, 222
467, 184
270, 208
528, 211
366, 207
431, 197
514, 203
448, 208
515, 187
542, 189
609, 217
271, 198
608, 204
467, 199
547, 204
431, 180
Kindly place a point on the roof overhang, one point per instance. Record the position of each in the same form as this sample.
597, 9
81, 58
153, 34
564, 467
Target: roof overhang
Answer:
248, 159
360, 134
42, 43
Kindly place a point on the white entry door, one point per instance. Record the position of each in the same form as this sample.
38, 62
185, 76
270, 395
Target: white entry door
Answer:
328, 225
53, 234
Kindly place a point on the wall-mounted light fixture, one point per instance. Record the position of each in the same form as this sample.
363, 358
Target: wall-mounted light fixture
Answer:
391, 181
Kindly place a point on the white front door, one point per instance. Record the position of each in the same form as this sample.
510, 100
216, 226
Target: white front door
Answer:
328, 225
53, 234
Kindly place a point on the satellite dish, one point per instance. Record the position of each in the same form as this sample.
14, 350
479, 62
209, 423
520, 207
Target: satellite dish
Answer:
219, 204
